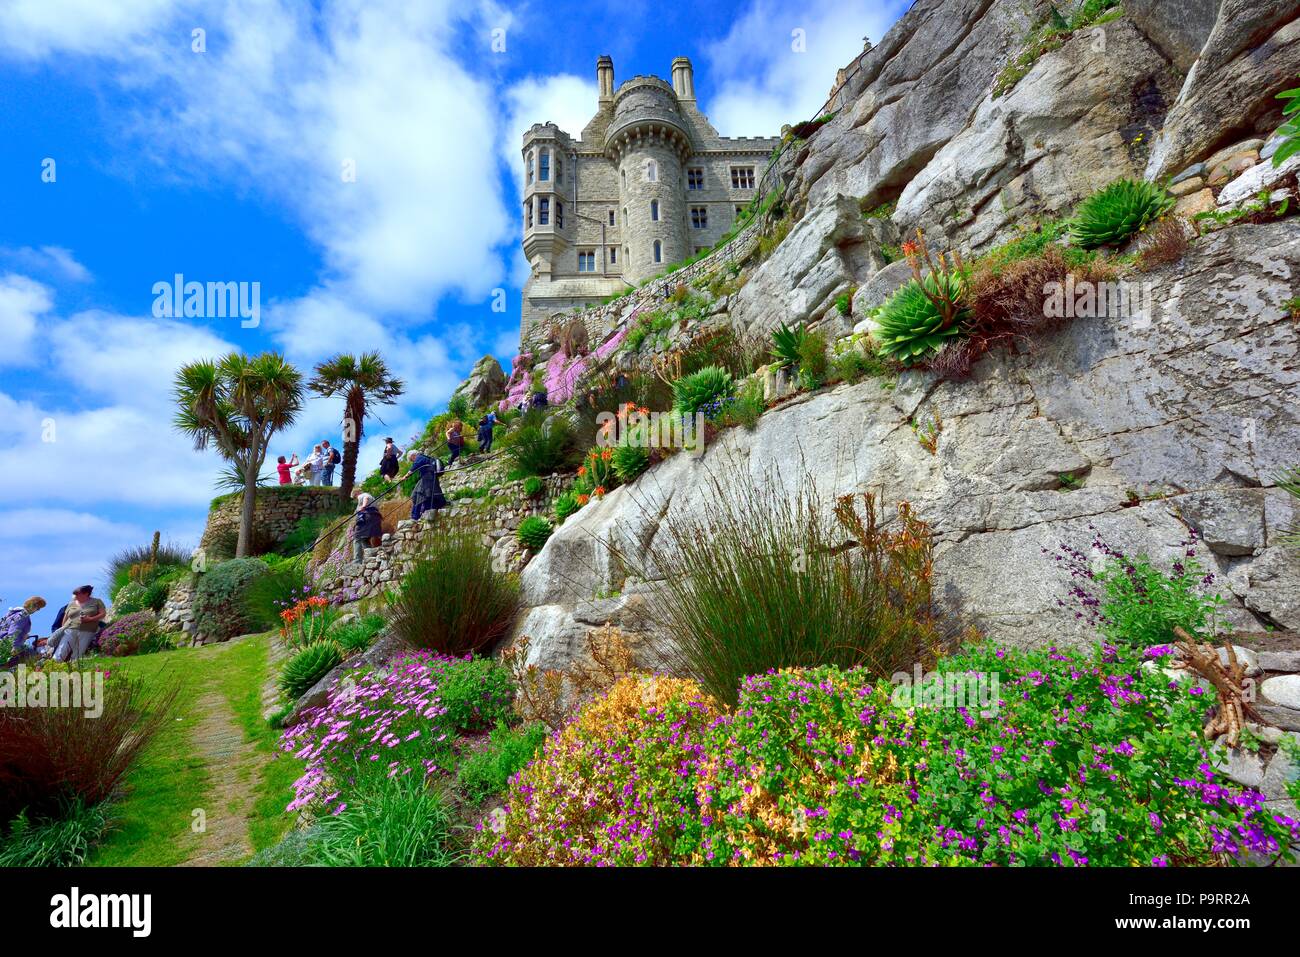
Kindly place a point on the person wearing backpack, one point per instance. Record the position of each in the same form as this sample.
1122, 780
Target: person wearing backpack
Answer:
330, 458
455, 441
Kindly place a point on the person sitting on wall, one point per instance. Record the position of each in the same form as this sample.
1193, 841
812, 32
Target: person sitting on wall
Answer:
368, 526
283, 468
389, 461
16, 625
80, 625
428, 490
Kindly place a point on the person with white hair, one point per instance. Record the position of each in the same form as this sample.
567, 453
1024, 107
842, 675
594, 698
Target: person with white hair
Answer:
368, 526
428, 495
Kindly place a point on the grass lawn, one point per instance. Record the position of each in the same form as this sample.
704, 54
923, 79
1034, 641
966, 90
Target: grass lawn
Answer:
152, 820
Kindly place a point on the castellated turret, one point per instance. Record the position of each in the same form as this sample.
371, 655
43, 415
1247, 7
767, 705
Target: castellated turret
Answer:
648, 183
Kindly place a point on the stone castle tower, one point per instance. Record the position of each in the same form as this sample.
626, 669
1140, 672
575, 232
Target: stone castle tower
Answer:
649, 183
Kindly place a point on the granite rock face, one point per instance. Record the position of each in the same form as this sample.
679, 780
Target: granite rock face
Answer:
1076, 122
1180, 418
486, 383
1178, 28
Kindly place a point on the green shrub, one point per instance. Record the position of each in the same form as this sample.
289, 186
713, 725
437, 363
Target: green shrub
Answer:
629, 756
130, 598
267, 596
1110, 216
820, 603
541, 446
135, 634
309, 666
693, 392
398, 823
451, 600
786, 345
1134, 603
745, 407
357, 635
565, 506
220, 599
50, 757
533, 532
167, 558
487, 772
1290, 129
477, 693
458, 406
63, 840
911, 326
533, 486
629, 461
851, 364
813, 362
1051, 757
308, 529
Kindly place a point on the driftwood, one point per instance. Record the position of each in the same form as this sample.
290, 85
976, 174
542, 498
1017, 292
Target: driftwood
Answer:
1228, 681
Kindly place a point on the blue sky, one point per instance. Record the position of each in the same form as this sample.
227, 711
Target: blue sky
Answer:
225, 164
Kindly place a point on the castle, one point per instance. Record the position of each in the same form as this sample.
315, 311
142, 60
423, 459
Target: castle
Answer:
649, 183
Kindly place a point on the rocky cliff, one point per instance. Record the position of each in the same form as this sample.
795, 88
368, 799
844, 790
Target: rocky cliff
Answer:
1137, 427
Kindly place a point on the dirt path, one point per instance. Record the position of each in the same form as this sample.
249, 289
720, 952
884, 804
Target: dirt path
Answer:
233, 763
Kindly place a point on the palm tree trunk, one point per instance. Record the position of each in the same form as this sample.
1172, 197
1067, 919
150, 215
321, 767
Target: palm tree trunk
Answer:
245, 541
350, 450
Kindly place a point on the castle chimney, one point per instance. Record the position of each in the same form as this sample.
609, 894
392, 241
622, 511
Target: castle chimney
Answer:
683, 78
605, 77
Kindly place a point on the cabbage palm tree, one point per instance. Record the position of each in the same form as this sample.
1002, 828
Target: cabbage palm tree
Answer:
236, 404
363, 381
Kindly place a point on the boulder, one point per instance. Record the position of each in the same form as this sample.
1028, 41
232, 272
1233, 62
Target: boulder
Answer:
1178, 30
1077, 121
1126, 404
1251, 55
486, 383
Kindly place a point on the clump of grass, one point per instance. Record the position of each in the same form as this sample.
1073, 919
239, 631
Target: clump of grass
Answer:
762, 580
487, 772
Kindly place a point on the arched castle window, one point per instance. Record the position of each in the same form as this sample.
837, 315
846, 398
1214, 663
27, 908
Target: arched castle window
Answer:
528, 213
654, 211
559, 211
623, 173
659, 251
559, 170
530, 166
544, 166
651, 171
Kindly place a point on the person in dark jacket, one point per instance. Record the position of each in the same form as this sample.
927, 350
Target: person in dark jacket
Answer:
367, 526
390, 460
485, 432
428, 490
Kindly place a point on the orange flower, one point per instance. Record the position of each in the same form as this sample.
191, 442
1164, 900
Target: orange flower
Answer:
598, 491
909, 248
606, 454
582, 470
583, 499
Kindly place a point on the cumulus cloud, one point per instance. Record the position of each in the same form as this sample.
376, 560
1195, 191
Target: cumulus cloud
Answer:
22, 303
566, 100
36, 28
54, 262
777, 64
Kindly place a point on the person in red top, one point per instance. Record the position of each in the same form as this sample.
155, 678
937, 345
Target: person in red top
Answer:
283, 467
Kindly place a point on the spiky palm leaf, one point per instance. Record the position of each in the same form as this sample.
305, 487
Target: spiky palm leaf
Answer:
786, 343
693, 392
911, 325
1125, 207
363, 381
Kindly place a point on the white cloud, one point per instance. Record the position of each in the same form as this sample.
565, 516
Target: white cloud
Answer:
762, 82
37, 28
22, 303
566, 100
53, 261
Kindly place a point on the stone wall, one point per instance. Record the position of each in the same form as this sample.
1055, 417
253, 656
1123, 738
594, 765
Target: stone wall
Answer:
495, 517
277, 511
178, 612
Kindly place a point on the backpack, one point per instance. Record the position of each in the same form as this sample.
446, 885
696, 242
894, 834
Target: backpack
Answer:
335, 458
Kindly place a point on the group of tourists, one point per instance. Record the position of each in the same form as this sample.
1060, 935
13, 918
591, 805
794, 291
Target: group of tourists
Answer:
316, 469
76, 627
